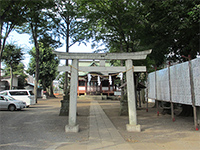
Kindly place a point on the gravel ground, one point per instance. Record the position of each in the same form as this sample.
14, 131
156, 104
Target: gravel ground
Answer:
156, 130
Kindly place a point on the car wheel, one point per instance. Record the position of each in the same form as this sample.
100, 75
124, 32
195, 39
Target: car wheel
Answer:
12, 107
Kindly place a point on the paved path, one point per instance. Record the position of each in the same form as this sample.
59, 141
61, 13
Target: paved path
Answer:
102, 133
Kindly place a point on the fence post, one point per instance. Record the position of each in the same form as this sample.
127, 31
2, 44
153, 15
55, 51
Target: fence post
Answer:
147, 84
192, 94
170, 95
157, 109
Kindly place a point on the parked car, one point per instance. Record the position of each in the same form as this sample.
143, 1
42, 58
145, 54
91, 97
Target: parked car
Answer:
9, 103
23, 95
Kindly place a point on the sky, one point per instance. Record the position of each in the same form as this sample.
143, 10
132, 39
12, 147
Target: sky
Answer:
23, 40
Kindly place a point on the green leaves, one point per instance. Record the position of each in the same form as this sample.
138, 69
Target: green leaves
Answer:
12, 55
116, 23
12, 13
47, 65
173, 28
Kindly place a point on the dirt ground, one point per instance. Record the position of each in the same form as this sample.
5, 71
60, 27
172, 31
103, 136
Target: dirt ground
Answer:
156, 130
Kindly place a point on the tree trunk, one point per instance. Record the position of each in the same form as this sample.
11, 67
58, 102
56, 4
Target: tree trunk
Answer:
36, 78
2, 45
51, 90
11, 78
66, 91
64, 111
34, 34
122, 90
43, 85
123, 101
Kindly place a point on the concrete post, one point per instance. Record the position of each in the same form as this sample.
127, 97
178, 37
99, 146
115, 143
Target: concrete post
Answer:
72, 126
132, 126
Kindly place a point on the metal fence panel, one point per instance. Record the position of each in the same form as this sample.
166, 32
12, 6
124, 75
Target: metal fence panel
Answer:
162, 78
151, 85
180, 84
196, 79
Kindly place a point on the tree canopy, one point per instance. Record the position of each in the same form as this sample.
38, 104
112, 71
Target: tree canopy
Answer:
12, 14
116, 23
12, 57
18, 71
172, 28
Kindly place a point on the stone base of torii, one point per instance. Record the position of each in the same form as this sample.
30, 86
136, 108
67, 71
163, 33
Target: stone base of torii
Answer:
128, 57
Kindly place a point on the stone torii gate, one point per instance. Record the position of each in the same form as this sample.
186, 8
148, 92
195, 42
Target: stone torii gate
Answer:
128, 57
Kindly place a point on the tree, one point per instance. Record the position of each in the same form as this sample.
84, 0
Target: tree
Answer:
116, 23
11, 15
22, 76
48, 66
18, 71
172, 28
39, 24
70, 25
61, 79
66, 12
11, 57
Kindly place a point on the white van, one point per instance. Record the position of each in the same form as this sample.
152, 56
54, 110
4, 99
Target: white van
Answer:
23, 95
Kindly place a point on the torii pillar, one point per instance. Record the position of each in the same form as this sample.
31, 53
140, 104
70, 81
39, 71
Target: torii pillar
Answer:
132, 126
72, 126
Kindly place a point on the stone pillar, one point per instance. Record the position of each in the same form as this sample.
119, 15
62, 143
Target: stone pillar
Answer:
72, 126
132, 126
64, 110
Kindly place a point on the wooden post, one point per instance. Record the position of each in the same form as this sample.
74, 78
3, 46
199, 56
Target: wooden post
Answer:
139, 96
78, 92
147, 99
192, 95
170, 95
198, 115
157, 107
108, 88
72, 126
132, 126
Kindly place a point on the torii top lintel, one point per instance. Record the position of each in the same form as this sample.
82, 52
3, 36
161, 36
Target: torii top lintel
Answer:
104, 56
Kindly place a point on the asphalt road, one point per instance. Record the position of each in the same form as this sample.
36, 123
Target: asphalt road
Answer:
34, 128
